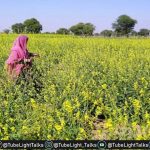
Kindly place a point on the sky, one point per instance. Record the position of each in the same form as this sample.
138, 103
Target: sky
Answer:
54, 14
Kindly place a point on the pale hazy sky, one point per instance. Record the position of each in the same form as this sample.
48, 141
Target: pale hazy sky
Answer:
54, 14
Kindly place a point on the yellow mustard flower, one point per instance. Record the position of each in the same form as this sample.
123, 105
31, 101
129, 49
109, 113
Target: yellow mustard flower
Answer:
109, 124
139, 137
136, 104
134, 125
49, 137
13, 129
78, 115
104, 86
67, 106
58, 127
136, 85
86, 116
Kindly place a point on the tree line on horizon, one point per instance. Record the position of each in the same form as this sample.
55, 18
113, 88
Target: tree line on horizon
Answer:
123, 26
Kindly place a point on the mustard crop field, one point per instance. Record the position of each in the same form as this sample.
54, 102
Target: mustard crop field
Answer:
79, 88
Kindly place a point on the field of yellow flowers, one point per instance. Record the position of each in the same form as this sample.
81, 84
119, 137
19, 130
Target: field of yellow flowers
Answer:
79, 88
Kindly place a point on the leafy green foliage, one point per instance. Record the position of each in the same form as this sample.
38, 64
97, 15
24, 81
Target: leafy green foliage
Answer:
83, 29
6, 31
107, 33
62, 31
144, 32
32, 26
124, 25
17, 28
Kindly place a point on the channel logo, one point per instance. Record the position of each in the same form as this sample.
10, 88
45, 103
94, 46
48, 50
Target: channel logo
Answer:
48, 144
101, 144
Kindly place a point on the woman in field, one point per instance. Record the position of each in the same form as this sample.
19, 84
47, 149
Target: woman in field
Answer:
19, 59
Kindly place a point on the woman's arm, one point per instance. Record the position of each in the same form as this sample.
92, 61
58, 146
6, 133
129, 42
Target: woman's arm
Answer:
33, 54
22, 61
27, 60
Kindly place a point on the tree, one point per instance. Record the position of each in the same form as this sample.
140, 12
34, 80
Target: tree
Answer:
83, 29
17, 28
52, 33
144, 32
133, 33
46, 32
77, 29
62, 31
89, 29
106, 33
32, 26
96, 34
6, 31
124, 25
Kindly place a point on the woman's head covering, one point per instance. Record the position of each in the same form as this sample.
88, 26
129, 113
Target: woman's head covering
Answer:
18, 52
20, 45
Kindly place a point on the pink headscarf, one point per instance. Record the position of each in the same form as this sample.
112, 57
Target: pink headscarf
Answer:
18, 52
